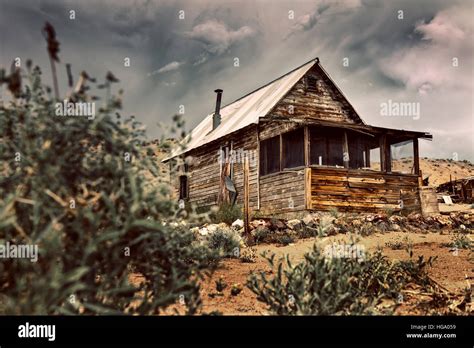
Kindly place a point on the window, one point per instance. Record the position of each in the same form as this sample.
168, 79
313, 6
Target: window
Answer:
293, 149
326, 146
312, 84
402, 157
364, 151
183, 186
270, 155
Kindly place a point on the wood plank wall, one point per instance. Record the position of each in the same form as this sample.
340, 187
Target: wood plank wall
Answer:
204, 170
362, 191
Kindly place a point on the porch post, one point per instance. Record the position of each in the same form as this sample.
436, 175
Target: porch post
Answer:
416, 156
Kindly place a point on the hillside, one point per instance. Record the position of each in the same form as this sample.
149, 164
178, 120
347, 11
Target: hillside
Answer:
439, 170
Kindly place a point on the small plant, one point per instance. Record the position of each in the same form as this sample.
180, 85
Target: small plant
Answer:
399, 244
334, 212
249, 255
225, 241
324, 226
236, 289
261, 234
335, 286
227, 213
460, 241
285, 239
220, 284
307, 232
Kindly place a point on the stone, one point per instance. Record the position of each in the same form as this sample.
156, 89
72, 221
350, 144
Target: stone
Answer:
308, 220
294, 224
238, 224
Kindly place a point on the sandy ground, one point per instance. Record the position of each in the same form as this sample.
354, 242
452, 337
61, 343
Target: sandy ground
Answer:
453, 271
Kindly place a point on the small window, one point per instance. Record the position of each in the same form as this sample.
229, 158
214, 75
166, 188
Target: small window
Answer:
183, 187
270, 155
293, 149
312, 84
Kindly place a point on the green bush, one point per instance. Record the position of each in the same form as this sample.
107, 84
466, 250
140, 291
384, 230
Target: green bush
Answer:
226, 213
85, 192
225, 241
334, 286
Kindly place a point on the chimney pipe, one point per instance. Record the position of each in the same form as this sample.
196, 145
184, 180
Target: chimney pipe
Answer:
216, 119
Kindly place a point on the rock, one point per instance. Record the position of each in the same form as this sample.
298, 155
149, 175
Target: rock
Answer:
294, 224
238, 224
277, 225
444, 220
396, 227
309, 221
356, 223
256, 223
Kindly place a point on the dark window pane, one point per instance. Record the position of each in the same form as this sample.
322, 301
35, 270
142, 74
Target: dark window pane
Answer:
293, 149
183, 187
317, 149
326, 146
357, 150
270, 155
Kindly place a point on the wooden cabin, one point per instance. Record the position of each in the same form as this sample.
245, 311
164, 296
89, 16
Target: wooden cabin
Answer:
307, 149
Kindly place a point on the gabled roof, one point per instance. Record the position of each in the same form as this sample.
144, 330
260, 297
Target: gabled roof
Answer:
244, 111
257, 104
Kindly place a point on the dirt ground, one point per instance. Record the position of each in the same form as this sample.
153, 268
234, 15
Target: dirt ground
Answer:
452, 269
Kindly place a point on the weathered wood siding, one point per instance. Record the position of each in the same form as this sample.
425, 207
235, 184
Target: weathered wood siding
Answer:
204, 169
327, 103
362, 191
282, 192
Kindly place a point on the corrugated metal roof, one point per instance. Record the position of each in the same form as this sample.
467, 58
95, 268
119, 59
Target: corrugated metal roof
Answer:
244, 111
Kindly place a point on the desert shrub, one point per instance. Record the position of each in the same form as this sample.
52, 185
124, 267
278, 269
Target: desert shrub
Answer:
261, 234
248, 255
400, 244
334, 286
284, 239
225, 241
324, 225
227, 213
307, 232
460, 241
86, 194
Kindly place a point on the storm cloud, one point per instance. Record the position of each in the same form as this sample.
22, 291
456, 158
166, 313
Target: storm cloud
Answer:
180, 51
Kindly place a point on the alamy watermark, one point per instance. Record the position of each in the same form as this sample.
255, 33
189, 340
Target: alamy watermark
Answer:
404, 109
237, 156
347, 251
81, 109
19, 251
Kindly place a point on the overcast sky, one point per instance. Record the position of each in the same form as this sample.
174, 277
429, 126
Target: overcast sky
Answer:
423, 54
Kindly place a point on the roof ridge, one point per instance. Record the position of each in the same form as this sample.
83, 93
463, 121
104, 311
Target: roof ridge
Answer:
316, 60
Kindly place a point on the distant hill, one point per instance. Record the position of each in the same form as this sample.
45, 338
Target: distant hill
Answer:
439, 170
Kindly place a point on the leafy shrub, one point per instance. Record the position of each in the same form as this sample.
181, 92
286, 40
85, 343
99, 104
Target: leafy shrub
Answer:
261, 234
85, 192
399, 244
324, 225
226, 213
225, 241
284, 239
332, 286
460, 241
249, 255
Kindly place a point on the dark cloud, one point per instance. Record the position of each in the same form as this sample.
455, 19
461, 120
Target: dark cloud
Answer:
181, 61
